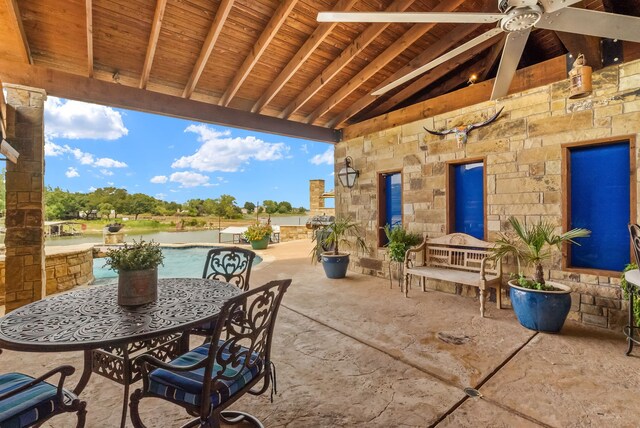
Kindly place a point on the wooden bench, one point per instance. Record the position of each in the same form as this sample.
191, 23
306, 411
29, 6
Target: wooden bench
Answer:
458, 258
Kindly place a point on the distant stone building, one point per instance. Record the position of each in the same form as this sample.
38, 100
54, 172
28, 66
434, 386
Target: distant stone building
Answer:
317, 195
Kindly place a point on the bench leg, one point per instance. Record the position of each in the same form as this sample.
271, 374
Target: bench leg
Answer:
407, 281
423, 280
499, 297
482, 298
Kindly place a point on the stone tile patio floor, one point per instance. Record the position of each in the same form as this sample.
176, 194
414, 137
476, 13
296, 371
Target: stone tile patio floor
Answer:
354, 353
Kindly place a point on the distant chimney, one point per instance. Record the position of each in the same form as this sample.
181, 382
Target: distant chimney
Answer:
316, 201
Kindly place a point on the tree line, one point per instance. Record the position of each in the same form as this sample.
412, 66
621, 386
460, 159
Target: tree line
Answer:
109, 202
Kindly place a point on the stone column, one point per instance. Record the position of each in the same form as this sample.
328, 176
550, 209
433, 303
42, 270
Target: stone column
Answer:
316, 201
24, 239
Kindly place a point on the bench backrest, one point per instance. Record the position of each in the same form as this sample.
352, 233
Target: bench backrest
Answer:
459, 251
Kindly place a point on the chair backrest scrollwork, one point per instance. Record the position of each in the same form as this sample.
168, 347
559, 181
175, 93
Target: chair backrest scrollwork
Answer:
634, 231
243, 333
229, 264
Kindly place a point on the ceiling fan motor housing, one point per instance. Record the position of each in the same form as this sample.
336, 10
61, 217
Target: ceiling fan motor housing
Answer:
505, 5
521, 18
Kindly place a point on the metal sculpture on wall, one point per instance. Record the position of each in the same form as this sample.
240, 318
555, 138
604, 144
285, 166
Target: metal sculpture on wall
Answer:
462, 132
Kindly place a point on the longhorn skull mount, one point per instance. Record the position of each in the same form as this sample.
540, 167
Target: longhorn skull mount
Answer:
462, 132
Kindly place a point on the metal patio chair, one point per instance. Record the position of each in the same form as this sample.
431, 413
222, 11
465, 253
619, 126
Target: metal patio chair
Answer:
237, 357
26, 401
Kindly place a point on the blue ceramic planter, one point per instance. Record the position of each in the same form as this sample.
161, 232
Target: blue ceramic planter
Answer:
335, 266
541, 310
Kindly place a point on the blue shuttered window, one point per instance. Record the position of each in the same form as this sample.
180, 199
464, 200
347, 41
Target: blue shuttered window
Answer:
468, 203
393, 199
600, 201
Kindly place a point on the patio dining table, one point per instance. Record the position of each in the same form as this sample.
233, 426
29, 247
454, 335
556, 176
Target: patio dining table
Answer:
111, 335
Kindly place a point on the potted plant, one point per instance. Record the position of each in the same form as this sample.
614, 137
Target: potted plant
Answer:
539, 305
399, 241
258, 235
137, 268
332, 236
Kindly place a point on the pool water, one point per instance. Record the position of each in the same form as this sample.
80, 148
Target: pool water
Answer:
178, 263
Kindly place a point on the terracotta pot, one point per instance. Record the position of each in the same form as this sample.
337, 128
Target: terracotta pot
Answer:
137, 287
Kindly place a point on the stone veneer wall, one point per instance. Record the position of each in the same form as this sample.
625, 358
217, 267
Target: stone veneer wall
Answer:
292, 233
523, 171
64, 269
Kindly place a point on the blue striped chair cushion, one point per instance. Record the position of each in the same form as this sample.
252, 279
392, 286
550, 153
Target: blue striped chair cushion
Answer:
27, 407
187, 386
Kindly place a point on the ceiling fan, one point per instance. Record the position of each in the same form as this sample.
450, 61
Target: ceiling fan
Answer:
517, 18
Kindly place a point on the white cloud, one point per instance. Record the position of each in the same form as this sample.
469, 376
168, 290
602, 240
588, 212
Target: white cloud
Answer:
53, 149
106, 172
110, 183
324, 158
77, 120
92, 189
72, 172
305, 149
189, 179
161, 196
220, 152
159, 179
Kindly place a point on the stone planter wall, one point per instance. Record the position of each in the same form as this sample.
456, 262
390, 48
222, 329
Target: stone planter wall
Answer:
65, 269
523, 171
292, 233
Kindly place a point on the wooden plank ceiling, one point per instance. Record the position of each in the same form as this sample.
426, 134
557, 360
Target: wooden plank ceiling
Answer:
266, 57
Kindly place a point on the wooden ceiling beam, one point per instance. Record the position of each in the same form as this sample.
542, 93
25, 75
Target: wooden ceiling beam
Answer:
320, 33
348, 54
16, 20
434, 51
153, 42
75, 87
553, 70
89, 25
270, 31
212, 37
428, 78
589, 46
491, 59
395, 49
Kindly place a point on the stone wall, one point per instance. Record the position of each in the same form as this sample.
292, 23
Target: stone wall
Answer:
64, 268
523, 156
292, 233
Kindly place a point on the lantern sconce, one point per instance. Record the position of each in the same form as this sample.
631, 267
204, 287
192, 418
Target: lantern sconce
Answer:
580, 79
348, 175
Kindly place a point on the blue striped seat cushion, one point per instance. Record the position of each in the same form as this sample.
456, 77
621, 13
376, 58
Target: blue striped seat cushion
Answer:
27, 407
187, 386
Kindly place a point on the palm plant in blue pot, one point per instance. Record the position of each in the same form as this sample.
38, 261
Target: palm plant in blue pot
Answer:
539, 305
342, 232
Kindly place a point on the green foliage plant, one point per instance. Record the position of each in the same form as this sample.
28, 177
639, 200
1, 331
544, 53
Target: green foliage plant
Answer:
625, 289
532, 245
341, 232
257, 232
400, 241
140, 255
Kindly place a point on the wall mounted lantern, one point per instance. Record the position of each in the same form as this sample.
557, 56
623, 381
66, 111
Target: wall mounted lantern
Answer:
580, 79
348, 175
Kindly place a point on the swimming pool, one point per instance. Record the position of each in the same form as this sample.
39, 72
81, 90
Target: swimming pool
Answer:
178, 263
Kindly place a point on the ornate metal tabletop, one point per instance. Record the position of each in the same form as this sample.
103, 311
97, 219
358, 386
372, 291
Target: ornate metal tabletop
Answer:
90, 318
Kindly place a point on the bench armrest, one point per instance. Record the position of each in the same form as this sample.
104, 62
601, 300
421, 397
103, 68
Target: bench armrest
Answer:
420, 248
483, 268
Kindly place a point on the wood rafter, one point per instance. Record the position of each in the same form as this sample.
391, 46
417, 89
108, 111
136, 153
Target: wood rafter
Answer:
214, 32
491, 59
320, 33
89, 16
153, 42
432, 76
581, 44
72, 86
433, 52
395, 49
348, 54
270, 31
544, 73
16, 21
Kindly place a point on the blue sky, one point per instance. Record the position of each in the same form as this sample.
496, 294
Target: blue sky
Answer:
89, 146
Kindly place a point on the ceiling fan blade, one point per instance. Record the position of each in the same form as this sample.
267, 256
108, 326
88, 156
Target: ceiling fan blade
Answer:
411, 17
593, 23
436, 62
553, 5
509, 63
